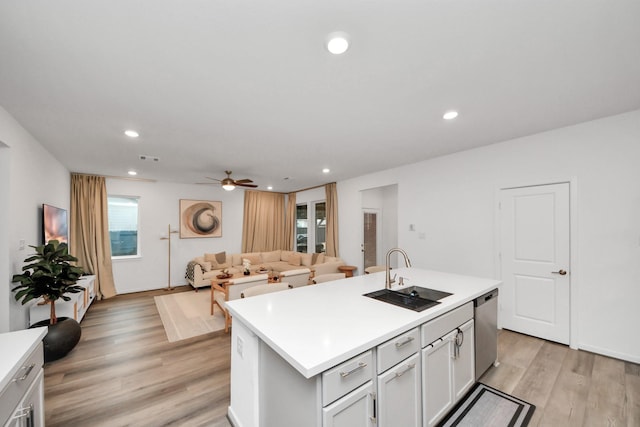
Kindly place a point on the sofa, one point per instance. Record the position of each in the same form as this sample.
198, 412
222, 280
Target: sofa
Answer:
202, 269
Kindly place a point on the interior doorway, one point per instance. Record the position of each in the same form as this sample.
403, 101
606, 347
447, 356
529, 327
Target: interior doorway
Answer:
535, 258
379, 224
371, 238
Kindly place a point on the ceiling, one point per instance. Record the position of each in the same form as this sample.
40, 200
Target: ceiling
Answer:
249, 86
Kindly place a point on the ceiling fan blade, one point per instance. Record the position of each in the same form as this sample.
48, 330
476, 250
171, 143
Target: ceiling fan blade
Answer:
214, 179
207, 183
243, 181
246, 185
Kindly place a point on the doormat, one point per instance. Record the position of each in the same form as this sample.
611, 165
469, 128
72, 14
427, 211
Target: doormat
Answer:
486, 406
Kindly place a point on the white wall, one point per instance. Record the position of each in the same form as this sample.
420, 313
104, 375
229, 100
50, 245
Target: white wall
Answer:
451, 200
159, 207
5, 273
35, 177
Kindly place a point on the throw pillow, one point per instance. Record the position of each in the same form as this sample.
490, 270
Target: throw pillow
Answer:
218, 261
284, 255
222, 261
317, 258
254, 258
206, 266
295, 258
306, 259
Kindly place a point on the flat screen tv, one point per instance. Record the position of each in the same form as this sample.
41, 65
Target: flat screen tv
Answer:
54, 224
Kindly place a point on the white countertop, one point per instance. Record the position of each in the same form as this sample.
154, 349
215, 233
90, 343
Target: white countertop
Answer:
16, 347
316, 327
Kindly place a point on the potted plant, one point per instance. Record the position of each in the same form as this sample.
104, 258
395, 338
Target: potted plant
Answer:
49, 275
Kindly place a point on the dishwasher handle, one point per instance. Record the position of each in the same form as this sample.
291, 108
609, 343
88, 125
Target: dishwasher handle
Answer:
485, 298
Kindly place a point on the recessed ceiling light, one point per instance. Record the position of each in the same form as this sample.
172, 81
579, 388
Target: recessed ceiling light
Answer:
131, 133
132, 173
449, 115
326, 170
338, 43
269, 188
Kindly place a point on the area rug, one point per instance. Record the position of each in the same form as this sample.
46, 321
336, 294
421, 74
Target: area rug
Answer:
188, 314
486, 406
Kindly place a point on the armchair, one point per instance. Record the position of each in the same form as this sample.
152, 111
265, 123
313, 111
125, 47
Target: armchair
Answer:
264, 289
296, 278
328, 277
230, 290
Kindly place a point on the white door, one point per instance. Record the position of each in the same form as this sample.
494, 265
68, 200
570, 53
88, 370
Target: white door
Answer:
400, 402
534, 246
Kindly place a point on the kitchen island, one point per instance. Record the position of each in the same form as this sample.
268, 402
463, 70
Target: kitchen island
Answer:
297, 356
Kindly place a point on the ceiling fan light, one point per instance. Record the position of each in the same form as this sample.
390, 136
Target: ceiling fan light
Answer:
228, 184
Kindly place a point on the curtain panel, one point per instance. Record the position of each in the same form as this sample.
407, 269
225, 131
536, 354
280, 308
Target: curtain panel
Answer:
290, 223
263, 227
89, 225
331, 194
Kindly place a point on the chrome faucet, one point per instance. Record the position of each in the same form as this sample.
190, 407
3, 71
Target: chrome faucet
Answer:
407, 263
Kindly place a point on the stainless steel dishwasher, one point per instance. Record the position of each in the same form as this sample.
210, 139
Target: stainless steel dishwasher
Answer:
486, 331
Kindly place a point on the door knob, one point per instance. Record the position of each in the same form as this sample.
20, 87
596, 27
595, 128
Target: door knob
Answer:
561, 272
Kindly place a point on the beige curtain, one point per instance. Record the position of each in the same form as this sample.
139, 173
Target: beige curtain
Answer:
90, 241
332, 219
290, 223
263, 225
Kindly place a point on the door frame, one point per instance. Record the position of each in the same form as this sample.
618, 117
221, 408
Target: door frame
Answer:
573, 246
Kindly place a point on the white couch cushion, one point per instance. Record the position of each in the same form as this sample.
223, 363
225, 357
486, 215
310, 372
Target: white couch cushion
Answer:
273, 256
295, 259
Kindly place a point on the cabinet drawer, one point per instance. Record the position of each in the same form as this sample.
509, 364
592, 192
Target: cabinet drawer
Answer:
347, 376
398, 349
439, 326
22, 379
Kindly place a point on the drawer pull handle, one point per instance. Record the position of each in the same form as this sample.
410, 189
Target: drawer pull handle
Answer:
360, 366
406, 368
28, 370
405, 342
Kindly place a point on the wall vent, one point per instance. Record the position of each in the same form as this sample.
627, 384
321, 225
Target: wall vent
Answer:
149, 158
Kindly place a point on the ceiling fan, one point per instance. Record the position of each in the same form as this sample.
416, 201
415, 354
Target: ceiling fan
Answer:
229, 184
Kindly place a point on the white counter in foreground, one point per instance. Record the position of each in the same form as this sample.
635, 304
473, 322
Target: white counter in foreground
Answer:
316, 327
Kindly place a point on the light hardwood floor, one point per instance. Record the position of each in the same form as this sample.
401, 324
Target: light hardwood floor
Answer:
124, 372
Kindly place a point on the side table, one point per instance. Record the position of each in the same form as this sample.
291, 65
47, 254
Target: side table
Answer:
347, 270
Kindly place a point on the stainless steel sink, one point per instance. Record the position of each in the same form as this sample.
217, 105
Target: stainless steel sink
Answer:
414, 297
426, 293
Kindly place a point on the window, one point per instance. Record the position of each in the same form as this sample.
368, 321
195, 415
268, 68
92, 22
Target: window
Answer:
311, 239
302, 223
123, 226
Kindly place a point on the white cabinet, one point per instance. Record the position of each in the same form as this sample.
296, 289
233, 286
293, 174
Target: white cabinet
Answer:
356, 409
21, 383
399, 394
448, 371
437, 384
413, 379
30, 410
75, 308
463, 360
341, 379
